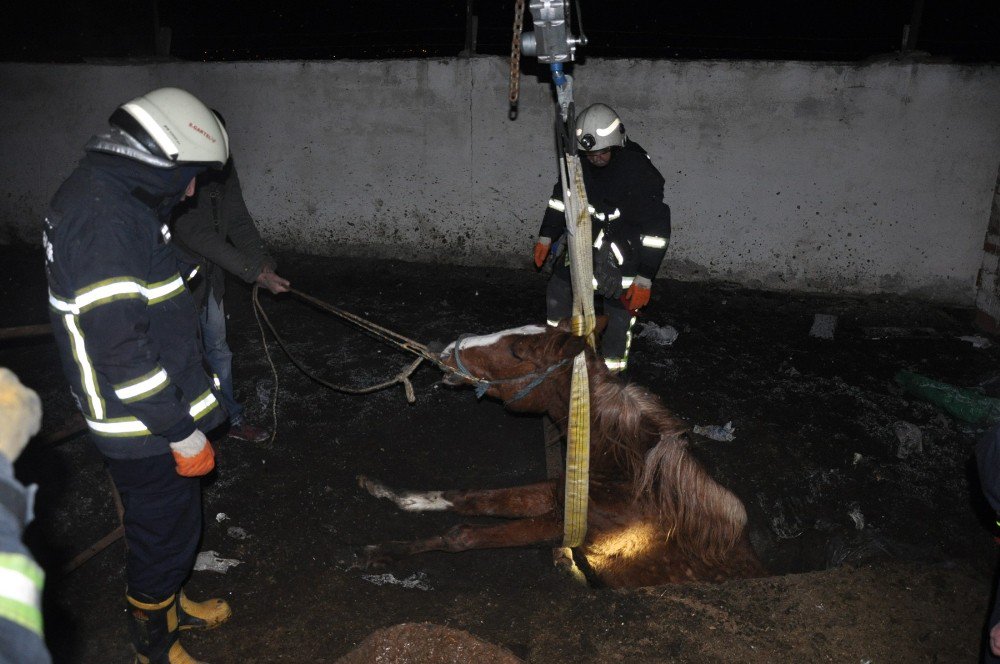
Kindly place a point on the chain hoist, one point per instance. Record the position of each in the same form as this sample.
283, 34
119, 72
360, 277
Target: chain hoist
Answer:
515, 58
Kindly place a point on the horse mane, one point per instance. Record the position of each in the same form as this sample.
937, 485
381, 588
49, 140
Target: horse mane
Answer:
704, 519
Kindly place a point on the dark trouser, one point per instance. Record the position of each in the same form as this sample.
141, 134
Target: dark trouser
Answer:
219, 356
162, 523
617, 337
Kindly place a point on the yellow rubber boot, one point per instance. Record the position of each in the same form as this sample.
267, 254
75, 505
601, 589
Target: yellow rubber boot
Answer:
154, 630
202, 615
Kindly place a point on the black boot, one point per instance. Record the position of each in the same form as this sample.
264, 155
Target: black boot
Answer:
153, 627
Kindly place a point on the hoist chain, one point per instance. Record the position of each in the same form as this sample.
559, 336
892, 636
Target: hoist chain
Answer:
515, 53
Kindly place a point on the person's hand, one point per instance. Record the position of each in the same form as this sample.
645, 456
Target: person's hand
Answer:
272, 282
194, 455
995, 640
542, 251
636, 297
20, 414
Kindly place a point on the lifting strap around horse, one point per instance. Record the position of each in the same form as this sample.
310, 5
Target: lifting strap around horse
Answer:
577, 456
580, 242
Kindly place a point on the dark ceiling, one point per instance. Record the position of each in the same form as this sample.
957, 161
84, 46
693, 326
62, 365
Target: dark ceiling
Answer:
844, 30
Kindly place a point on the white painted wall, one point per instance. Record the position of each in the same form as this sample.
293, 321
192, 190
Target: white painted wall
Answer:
786, 175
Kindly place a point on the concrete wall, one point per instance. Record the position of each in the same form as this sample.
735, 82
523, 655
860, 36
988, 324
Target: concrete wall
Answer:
874, 178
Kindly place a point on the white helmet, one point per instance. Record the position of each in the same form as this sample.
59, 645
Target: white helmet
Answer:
598, 128
174, 125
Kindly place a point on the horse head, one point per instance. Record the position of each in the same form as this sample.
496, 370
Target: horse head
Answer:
519, 366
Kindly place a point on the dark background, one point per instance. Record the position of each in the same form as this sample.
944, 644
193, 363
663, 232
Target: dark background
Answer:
844, 30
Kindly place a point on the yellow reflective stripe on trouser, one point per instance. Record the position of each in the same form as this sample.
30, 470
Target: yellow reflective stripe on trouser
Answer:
654, 241
21, 581
557, 204
577, 456
143, 386
621, 363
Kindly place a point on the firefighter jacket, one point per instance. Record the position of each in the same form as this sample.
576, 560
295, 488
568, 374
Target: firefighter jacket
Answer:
216, 231
123, 319
21, 634
627, 208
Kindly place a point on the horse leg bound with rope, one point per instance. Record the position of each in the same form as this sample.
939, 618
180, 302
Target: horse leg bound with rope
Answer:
655, 515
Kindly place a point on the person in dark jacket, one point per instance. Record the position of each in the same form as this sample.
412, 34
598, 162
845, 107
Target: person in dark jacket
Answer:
217, 231
988, 461
21, 578
127, 333
631, 226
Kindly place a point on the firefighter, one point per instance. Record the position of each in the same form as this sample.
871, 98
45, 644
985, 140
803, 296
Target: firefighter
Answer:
631, 225
127, 333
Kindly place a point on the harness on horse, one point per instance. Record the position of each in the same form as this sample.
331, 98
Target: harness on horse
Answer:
483, 384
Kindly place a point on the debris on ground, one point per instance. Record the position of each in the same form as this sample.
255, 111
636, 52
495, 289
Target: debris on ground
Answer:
724, 433
237, 533
663, 335
966, 404
857, 517
823, 326
900, 333
977, 341
209, 561
910, 437
418, 580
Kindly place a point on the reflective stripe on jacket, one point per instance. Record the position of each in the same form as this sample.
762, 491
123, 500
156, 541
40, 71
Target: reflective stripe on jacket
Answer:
626, 202
123, 320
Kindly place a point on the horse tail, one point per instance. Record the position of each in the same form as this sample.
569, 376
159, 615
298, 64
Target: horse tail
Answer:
705, 520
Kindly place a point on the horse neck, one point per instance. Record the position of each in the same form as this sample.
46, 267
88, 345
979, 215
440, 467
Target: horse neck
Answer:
621, 431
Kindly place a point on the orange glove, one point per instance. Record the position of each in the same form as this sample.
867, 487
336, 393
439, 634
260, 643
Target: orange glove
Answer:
636, 297
194, 455
542, 251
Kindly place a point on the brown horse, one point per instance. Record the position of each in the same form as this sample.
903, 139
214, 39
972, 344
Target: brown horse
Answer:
655, 515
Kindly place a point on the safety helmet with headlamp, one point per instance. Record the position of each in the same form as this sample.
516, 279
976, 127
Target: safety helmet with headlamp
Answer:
598, 128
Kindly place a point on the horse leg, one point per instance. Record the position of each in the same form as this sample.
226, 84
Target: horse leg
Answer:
516, 502
523, 532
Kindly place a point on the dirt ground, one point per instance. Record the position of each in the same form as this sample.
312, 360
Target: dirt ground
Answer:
875, 558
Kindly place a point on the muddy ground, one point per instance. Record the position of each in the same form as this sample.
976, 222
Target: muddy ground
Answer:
875, 558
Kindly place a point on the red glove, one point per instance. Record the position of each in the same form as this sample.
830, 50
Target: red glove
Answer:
636, 297
194, 455
541, 252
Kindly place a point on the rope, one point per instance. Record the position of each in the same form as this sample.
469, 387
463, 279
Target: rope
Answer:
274, 370
373, 329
